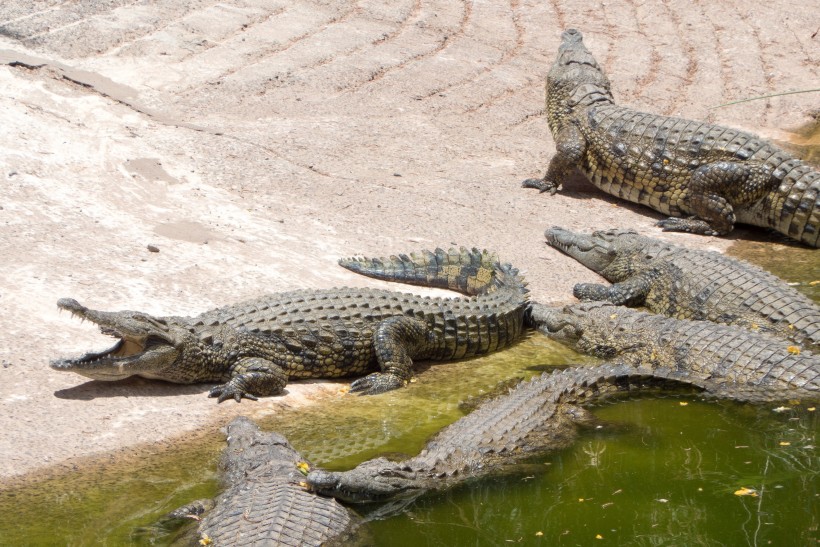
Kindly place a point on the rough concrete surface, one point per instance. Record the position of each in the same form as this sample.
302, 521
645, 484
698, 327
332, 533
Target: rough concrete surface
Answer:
253, 143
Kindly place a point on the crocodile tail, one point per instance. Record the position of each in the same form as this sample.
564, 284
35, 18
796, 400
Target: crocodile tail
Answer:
468, 271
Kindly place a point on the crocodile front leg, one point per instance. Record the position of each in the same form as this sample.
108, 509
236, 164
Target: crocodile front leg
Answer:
714, 190
251, 377
395, 342
570, 147
630, 292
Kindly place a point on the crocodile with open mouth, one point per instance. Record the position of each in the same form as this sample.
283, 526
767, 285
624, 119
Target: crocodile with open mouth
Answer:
254, 347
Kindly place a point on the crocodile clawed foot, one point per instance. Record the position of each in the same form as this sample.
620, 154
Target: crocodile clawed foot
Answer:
541, 185
590, 292
377, 382
691, 225
230, 390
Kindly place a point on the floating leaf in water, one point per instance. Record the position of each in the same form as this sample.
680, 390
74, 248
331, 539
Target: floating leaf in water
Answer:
813, 283
794, 350
781, 409
746, 492
683, 403
539, 533
662, 500
810, 409
599, 536
785, 443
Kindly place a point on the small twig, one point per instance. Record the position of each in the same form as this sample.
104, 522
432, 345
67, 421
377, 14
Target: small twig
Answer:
760, 501
765, 97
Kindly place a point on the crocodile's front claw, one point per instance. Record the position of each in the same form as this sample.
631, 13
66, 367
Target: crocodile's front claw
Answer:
378, 382
690, 225
230, 390
590, 292
542, 185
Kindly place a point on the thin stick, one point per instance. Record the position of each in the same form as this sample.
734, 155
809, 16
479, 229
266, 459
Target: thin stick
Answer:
765, 97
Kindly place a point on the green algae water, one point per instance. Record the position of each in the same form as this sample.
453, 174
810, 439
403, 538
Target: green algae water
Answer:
668, 470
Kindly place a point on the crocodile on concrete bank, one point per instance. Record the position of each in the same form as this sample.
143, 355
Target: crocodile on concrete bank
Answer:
716, 175
727, 361
263, 502
689, 284
256, 346
537, 416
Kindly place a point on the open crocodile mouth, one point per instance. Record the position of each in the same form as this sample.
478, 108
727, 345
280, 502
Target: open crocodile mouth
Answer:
120, 360
112, 363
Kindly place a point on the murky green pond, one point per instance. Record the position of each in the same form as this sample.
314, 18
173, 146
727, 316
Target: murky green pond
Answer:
660, 471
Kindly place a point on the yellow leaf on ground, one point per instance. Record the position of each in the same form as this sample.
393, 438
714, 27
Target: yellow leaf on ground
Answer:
794, 350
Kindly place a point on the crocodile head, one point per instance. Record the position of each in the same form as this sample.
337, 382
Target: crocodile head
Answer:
595, 251
595, 328
560, 324
575, 76
372, 481
614, 254
146, 346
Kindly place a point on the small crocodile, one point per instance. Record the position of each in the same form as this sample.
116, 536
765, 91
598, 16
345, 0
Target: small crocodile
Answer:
536, 417
679, 167
263, 502
689, 284
728, 361
256, 346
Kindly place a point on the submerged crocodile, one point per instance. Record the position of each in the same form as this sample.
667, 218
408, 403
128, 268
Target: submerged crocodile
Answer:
536, 417
541, 414
263, 502
256, 346
679, 167
728, 361
689, 284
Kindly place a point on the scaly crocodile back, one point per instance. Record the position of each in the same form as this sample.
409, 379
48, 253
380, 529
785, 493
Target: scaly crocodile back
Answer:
537, 416
263, 503
727, 361
530, 418
720, 288
648, 159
